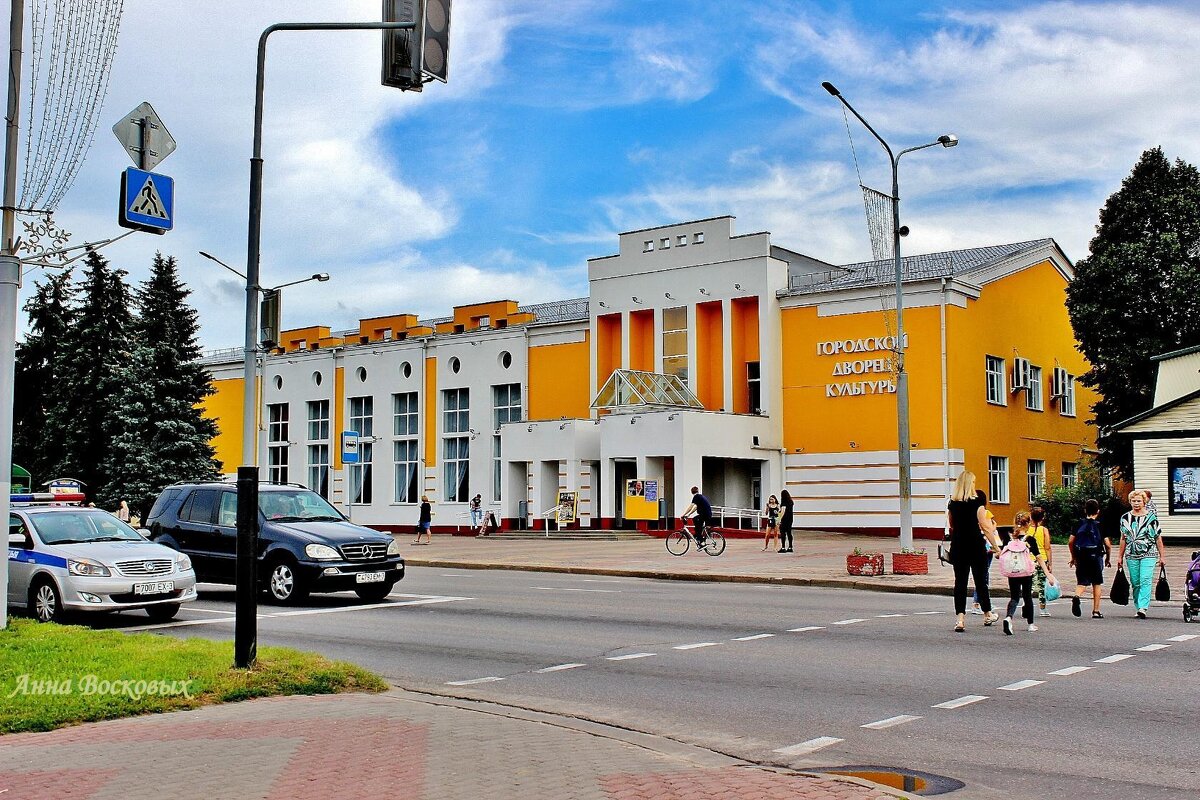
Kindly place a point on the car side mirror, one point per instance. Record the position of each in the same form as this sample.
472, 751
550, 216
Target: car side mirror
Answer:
145, 533
18, 540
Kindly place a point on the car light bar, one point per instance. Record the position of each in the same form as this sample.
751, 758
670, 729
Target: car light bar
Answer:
47, 498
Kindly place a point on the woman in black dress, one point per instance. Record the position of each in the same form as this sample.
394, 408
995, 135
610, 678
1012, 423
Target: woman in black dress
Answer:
785, 522
969, 526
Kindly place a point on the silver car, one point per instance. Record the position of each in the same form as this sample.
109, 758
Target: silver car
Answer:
64, 559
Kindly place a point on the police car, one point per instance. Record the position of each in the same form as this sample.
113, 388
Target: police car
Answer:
64, 558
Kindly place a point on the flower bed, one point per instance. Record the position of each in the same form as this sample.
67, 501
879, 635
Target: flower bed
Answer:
865, 564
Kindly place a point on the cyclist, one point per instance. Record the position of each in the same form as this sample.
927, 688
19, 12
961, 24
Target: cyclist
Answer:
703, 511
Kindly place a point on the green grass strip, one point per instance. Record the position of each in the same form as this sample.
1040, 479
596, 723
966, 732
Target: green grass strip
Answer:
55, 675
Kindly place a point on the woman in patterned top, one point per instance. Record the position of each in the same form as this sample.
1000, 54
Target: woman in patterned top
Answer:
1141, 545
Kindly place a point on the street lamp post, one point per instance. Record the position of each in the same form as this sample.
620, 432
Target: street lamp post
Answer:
903, 435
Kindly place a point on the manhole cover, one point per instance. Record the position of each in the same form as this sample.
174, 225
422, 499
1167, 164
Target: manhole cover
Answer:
922, 784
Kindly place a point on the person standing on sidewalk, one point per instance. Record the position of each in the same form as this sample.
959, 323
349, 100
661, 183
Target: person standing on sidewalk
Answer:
772, 515
1041, 534
425, 523
1019, 559
970, 528
785, 521
123, 511
1142, 546
1089, 556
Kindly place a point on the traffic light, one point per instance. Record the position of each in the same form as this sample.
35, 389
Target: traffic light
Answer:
269, 319
410, 57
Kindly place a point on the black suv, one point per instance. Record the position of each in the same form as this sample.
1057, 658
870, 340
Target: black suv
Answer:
304, 544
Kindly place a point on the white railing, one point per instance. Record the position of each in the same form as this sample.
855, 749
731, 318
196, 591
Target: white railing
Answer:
722, 513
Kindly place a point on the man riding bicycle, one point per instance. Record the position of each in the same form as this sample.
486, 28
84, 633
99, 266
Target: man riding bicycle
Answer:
703, 511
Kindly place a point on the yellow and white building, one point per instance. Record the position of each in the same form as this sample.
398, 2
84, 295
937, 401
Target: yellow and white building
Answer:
786, 362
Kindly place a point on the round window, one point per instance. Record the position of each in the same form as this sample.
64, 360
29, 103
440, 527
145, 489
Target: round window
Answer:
278, 381
455, 365
505, 359
361, 372
317, 378
406, 369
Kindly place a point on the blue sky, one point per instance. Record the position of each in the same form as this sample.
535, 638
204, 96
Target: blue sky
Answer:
561, 128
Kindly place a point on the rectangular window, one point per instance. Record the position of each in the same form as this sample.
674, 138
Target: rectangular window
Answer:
1035, 475
506, 407
1033, 395
406, 462
754, 387
277, 442
674, 342
1070, 474
996, 390
318, 469
404, 414
318, 421
1066, 404
362, 421
998, 479
456, 444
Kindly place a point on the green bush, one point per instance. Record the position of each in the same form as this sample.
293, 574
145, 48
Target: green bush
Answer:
1064, 504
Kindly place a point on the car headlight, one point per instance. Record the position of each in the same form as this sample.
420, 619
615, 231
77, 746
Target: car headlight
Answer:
321, 552
86, 566
394, 548
182, 562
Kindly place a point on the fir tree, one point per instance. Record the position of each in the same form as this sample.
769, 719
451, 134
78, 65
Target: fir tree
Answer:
159, 434
1137, 294
50, 317
91, 364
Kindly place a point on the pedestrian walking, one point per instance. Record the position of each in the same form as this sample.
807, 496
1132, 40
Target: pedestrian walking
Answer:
1038, 530
772, 515
970, 529
991, 556
1141, 546
425, 522
477, 514
785, 521
1090, 554
123, 511
1019, 560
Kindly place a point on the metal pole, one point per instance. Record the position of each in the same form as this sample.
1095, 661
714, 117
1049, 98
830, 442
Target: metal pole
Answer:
245, 632
903, 436
10, 278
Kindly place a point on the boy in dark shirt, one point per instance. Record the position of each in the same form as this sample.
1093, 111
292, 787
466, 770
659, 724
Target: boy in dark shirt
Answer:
1090, 554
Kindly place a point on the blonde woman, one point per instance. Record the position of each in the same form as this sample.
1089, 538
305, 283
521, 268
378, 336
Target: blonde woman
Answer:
970, 527
1141, 546
772, 515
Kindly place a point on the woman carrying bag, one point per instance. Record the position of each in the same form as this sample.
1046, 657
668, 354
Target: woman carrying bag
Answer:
969, 528
1141, 546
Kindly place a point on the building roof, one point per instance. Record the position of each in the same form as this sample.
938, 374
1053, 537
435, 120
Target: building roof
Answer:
1186, 351
1156, 410
927, 266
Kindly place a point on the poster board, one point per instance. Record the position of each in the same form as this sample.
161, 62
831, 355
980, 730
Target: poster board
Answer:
641, 499
1183, 486
568, 507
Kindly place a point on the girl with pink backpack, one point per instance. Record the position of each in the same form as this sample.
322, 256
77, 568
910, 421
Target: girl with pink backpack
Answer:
1019, 559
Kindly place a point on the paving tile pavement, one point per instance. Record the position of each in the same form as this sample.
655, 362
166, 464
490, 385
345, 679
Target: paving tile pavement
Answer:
365, 747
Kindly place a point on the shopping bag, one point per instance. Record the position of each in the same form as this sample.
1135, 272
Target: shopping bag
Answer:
1162, 591
1053, 592
1119, 593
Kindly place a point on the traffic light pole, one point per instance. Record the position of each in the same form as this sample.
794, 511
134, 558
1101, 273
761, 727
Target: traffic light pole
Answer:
247, 536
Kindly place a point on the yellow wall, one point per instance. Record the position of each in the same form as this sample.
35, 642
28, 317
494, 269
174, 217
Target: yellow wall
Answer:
710, 356
431, 406
744, 332
225, 406
641, 340
558, 381
998, 324
819, 423
608, 347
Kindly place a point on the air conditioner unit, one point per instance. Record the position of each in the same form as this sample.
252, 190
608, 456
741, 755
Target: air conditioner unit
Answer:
1020, 374
1058, 383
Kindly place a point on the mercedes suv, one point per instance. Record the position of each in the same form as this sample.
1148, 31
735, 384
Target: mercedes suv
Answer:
304, 544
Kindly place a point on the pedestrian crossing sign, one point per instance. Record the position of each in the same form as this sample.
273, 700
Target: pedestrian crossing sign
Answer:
147, 201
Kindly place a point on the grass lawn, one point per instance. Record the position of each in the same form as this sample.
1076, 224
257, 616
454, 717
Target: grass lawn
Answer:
56, 675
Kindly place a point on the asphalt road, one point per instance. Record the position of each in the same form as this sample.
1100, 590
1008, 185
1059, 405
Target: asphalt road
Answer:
802, 677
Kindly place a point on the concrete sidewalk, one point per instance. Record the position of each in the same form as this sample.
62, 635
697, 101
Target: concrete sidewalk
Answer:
819, 560
396, 745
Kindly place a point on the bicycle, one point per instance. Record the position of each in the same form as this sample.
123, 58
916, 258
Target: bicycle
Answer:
679, 541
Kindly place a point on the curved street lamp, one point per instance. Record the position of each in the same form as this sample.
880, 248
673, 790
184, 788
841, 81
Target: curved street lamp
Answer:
903, 443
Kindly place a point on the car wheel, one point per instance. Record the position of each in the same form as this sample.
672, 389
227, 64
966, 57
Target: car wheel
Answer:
374, 592
44, 601
162, 613
283, 583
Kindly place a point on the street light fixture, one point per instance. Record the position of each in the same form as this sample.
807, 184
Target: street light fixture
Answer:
903, 443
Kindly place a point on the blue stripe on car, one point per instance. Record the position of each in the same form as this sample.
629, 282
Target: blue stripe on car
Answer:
34, 557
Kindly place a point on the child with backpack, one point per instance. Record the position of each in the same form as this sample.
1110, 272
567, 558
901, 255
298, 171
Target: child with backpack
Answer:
1090, 554
1018, 561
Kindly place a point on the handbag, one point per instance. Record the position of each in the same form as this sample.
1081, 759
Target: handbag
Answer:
1053, 591
1119, 593
1162, 590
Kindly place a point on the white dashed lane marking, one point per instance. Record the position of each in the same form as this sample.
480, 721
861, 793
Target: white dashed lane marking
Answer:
695, 646
561, 667
1184, 637
810, 746
850, 621
1069, 671
1113, 659
752, 638
890, 722
1019, 685
806, 629
924, 613
1150, 648
473, 681
959, 702
569, 589
889, 616
631, 656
